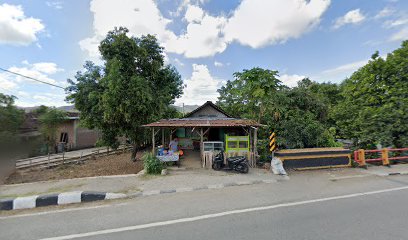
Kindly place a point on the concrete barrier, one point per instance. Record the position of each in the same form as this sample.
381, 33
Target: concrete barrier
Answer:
313, 158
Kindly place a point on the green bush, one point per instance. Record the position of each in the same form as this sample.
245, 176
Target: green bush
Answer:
152, 164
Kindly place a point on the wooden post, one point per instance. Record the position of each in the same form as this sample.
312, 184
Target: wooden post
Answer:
63, 157
384, 156
361, 158
162, 130
48, 159
201, 143
153, 140
255, 143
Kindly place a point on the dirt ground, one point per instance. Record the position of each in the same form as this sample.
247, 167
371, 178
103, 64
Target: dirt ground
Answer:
101, 166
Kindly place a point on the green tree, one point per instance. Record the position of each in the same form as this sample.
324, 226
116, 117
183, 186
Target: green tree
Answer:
299, 115
132, 88
375, 102
251, 93
11, 119
49, 121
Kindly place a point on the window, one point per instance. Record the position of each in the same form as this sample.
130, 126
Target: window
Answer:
64, 137
232, 144
243, 144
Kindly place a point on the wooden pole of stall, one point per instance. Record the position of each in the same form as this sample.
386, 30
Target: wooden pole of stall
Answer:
201, 142
153, 140
162, 130
255, 144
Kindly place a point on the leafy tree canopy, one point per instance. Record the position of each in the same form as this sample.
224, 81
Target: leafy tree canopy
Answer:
11, 117
132, 88
299, 115
50, 119
374, 102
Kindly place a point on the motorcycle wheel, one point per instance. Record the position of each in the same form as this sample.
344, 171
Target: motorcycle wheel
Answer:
216, 166
243, 168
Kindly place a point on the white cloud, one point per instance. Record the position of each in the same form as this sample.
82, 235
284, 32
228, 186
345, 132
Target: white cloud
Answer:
46, 67
218, 64
201, 39
339, 73
291, 80
55, 4
40, 71
258, 23
401, 24
200, 87
5, 83
351, 17
255, 23
178, 62
396, 23
16, 28
400, 35
90, 45
194, 14
385, 12
47, 99
140, 17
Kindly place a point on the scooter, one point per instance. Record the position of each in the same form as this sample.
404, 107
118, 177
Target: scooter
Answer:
239, 164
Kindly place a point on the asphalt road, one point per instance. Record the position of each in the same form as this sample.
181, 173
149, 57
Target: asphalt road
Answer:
305, 207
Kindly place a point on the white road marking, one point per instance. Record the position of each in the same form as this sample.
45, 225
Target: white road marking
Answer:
216, 215
62, 210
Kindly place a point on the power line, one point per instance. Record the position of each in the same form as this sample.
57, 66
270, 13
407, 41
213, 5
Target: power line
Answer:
21, 75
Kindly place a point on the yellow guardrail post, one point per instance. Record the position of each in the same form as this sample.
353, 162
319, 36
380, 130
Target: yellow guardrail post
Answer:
384, 156
361, 158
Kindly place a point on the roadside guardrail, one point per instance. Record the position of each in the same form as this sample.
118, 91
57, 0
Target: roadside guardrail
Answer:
383, 156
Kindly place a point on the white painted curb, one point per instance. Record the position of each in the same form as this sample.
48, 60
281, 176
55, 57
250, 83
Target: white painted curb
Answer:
115, 195
69, 197
24, 202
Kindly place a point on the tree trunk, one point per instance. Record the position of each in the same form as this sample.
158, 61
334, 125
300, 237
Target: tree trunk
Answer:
135, 149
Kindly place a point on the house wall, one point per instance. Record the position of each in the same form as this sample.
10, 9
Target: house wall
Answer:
78, 137
208, 111
86, 137
68, 127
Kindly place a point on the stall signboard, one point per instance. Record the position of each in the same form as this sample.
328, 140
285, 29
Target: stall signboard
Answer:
236, 144
185, 143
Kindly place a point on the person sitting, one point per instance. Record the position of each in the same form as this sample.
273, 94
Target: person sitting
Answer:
173, 145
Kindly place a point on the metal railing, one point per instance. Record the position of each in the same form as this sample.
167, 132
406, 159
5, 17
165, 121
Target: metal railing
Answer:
383, 156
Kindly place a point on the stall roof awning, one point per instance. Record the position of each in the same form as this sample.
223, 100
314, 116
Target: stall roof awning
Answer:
204, 122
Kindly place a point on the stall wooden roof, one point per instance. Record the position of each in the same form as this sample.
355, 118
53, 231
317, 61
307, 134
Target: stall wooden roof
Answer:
207, 115
201, 122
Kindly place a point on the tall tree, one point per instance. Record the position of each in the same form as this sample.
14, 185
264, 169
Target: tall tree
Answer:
11, 119
50, 119
251, 93
299, 114
375, 102
132, 88
10, 116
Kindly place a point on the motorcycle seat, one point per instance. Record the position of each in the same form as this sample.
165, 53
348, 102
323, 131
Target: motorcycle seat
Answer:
236, 159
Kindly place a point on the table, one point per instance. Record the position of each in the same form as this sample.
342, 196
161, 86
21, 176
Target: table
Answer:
170, 158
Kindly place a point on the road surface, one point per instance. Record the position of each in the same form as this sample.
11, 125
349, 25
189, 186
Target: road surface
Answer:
302, 208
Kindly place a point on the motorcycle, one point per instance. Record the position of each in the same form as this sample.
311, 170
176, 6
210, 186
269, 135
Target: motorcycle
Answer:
239, 163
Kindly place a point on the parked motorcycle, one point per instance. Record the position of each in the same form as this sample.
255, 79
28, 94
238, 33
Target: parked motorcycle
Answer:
239, 164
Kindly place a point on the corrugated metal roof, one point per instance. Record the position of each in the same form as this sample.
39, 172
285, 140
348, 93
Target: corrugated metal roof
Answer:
204, 122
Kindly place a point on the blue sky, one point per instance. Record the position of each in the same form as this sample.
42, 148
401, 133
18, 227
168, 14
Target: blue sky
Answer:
206, 40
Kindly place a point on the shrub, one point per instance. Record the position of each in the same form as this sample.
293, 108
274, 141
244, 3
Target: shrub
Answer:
152, 164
